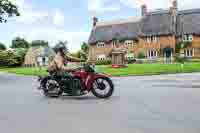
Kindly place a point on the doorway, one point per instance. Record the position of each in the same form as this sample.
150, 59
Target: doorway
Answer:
168, 55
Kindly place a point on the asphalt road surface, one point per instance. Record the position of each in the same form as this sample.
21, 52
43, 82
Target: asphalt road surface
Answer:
150, 104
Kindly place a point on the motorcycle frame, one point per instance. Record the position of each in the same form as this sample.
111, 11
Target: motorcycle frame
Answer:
88, 78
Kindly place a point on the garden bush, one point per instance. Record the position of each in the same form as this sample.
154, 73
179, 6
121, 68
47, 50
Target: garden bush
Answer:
148, 61
193, 60
103, 62
141, 55
131, 61
181, 59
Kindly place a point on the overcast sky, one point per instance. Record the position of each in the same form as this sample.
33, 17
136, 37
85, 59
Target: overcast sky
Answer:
71, 20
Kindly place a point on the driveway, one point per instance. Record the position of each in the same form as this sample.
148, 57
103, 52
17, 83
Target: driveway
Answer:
146, 104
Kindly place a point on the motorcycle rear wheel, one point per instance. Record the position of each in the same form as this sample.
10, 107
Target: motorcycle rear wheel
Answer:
52, 89
100, 85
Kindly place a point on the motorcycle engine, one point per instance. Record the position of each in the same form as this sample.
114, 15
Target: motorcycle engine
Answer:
69, 85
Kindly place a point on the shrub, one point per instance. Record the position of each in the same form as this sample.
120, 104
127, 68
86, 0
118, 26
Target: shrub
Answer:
193, 60
181, 45
103, 62
141, 55
9, 59
178, 47
187, 44
2, 46
181, 59
130, 60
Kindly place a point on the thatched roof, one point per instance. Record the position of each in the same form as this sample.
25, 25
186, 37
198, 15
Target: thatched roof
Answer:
128, 29
155, 23
189, 22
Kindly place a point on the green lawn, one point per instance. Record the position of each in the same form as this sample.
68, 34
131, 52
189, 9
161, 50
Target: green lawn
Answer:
131, 70
25, 71
150, 69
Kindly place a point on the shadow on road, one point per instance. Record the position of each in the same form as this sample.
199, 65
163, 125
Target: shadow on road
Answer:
65, 97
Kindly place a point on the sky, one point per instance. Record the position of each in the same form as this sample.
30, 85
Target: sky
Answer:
71, 20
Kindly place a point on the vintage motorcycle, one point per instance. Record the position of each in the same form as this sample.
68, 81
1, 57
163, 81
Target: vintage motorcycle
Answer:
84, 78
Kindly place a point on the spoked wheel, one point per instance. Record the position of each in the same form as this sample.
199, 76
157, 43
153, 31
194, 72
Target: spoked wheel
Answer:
52, 89
102, 88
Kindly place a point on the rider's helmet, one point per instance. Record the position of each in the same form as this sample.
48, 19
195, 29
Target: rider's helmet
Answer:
61, 48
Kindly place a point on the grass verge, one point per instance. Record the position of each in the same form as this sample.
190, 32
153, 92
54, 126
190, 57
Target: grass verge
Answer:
131, 70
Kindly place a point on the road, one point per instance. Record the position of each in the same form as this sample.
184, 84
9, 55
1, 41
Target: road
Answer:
148, 104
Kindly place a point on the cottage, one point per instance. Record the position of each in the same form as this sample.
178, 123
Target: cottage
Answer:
38, 56
155, 34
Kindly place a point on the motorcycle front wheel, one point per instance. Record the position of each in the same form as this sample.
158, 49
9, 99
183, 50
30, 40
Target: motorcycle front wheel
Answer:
102, 88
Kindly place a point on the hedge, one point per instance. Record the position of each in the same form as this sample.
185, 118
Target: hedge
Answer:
103, 62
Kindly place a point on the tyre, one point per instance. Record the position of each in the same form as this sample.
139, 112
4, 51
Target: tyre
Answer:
52, 88
102, 88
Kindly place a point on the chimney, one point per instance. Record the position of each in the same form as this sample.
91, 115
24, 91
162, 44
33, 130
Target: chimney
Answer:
144, 10
174, 11
175, 4
174, 8
95, 20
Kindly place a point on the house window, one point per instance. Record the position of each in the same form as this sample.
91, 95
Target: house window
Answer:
152, 54
42, 61
154, 38
188, 38
151, 39
100, 44
129, 43
114, 43
148, 40
189, 52
101, 57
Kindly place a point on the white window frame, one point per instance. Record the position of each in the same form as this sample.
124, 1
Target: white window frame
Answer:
101, 57
152, 54
148, 39
189, 52
129, 43
114, 43
100, 44
151, 39
155, 38
188, 38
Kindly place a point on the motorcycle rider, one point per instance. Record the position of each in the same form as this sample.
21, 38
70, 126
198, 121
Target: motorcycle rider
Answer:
58, 64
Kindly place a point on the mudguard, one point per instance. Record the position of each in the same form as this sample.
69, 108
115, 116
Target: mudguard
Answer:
90, 79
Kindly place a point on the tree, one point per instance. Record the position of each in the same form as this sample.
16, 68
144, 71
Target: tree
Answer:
84, 51
9, 59
7, 9
83, 55
61, 44
21, 53
85, 47
2, 46
37, 43
19, 43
